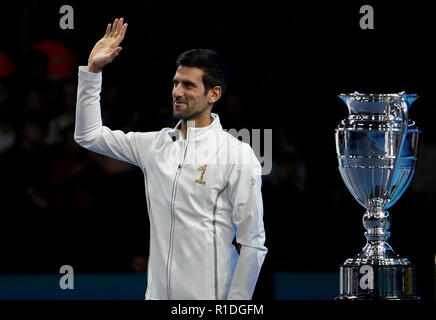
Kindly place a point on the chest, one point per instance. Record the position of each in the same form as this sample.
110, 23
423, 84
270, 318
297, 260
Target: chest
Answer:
190, 173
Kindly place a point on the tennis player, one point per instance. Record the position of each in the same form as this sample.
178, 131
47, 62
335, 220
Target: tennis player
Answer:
203, 186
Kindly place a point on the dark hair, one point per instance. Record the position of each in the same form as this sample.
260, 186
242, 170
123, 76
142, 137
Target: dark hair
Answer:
216, 72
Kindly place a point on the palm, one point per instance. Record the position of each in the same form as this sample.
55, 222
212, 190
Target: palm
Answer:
106, 49
102, 52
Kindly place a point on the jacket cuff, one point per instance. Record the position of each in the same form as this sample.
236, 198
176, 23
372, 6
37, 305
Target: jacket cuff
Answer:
84, 74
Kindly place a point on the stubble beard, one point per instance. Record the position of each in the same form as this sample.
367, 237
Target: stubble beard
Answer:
182, 115
186, 114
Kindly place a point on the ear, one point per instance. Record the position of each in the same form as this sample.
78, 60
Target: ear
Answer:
214, 94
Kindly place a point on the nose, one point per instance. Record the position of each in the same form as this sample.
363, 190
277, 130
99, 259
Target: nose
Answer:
178, 91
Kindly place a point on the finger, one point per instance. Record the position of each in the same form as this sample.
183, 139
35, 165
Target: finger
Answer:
108, 30
118, 29
120, 37
122, 33
114, 27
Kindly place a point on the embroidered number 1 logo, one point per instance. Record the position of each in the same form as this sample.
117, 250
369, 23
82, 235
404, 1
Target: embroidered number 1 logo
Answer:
203, 170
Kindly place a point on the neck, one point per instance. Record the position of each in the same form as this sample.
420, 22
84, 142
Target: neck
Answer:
197, 122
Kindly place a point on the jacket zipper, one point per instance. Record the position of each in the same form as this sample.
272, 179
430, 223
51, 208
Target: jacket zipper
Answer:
173, 218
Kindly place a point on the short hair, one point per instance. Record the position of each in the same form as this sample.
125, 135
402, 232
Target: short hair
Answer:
216, 72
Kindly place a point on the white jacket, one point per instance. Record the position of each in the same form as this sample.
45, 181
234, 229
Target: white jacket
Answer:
200, 193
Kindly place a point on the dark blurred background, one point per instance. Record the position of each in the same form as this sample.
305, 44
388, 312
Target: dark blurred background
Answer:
61, 204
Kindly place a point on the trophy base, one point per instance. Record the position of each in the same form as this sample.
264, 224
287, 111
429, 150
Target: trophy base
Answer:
377, 282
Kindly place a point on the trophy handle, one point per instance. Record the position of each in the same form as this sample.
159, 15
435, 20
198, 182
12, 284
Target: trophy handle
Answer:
402, 137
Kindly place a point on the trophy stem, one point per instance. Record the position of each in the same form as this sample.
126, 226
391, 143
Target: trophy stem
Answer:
376, 222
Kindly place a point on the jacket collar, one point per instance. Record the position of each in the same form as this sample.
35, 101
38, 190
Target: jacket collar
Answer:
196, 134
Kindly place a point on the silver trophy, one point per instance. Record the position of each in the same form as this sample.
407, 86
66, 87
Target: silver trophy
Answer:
377, 149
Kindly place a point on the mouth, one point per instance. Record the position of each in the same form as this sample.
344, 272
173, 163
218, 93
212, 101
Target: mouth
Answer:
179, 104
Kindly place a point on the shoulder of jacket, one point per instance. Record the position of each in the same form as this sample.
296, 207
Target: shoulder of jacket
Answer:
232, 141
238, 150
163, 135
146, 138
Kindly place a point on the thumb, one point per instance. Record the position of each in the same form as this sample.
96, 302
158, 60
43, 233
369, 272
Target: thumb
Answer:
116, 52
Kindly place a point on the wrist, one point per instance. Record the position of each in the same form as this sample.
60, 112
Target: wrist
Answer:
93, 68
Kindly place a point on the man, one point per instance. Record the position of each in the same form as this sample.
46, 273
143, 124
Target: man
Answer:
203, 186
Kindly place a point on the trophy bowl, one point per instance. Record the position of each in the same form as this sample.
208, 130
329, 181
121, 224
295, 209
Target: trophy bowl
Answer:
377, 148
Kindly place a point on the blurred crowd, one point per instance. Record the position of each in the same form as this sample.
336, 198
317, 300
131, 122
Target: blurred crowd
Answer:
58, 204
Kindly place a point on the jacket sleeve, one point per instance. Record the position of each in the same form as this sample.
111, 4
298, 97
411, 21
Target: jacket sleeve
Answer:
89, 131
246, 198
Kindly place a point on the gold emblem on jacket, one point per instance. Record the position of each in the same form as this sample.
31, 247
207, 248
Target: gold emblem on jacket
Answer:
203, 170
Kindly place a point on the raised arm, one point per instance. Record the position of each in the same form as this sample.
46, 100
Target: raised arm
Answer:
90, 132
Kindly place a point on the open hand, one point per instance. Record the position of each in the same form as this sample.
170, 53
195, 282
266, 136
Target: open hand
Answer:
107, 48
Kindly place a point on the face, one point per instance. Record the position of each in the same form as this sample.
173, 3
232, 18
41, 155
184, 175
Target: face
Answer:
189, 98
